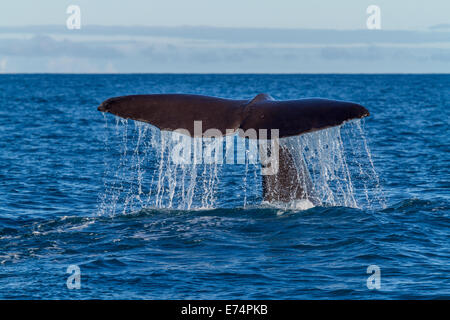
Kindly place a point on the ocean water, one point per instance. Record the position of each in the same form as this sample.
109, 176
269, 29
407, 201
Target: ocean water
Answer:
81, 188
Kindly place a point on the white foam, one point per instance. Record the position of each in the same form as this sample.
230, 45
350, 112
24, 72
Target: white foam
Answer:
298, 204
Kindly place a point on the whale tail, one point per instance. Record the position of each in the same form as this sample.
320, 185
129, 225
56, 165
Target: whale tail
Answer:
290, 118
291, 182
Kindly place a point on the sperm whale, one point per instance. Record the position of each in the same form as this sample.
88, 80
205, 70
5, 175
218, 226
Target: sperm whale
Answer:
289, 117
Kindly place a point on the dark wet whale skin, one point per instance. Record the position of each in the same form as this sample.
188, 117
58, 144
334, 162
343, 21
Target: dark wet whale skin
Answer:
179, 111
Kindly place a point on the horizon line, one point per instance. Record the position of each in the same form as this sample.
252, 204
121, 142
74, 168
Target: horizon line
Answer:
226, 73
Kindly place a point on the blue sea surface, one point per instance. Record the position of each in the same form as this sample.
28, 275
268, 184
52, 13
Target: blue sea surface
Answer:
53, 159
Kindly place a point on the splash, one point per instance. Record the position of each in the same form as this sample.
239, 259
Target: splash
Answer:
140, 171
340, 166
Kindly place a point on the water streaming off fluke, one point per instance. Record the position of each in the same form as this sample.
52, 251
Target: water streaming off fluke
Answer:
144, 172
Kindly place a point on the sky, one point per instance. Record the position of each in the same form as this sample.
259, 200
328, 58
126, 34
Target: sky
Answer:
318, 14
210, 36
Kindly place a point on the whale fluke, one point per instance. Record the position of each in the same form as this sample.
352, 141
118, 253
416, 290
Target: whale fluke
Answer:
291, 117
179, 111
